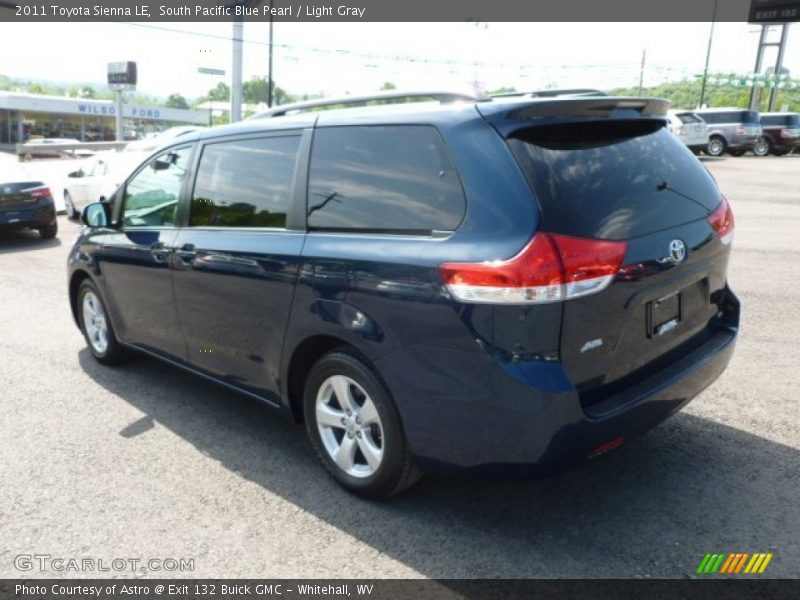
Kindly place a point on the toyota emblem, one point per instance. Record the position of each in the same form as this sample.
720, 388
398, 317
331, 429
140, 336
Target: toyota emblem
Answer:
677, 251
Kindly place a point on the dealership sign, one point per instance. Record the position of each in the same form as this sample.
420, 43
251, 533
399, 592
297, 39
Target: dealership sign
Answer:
29, 103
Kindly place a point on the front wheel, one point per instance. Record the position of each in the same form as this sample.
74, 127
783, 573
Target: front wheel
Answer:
96, 326
762, 147
355, 429
72, 214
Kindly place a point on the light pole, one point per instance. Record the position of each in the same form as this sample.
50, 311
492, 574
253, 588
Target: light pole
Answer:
708, 56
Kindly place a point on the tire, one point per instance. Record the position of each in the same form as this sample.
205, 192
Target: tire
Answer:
736, 153
99, 332
363, 428
716, 146
49, 232
762, 147
72, 214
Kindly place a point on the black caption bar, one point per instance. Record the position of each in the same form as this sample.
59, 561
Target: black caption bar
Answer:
374, 589
373, 10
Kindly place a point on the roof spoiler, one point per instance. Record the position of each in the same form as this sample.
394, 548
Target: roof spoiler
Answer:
390, 97
552, 93
508, 117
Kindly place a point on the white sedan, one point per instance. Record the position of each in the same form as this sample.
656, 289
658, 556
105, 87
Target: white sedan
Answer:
98, 178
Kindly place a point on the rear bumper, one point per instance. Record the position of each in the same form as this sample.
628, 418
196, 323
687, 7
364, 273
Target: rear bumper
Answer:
33, 216
524, 417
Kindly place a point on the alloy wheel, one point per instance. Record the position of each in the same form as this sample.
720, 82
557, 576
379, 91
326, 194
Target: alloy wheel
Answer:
94, 322
349, 426
761, 148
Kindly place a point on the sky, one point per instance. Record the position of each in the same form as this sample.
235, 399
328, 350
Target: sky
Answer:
353, 58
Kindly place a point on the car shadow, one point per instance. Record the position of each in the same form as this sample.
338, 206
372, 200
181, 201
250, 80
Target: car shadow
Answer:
21, 240
704, 158
652, 508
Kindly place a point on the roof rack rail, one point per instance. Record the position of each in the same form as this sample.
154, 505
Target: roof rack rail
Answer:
391, 97
552, 93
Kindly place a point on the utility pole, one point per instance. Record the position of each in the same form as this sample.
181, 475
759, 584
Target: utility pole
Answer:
708, 57
270, 84
236, 75
641, 70
778, 67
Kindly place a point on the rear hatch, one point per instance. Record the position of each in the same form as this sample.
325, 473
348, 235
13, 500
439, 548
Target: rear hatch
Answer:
618, 179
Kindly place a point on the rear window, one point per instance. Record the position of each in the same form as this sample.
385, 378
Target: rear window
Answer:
781, 120
613, 180
392, 179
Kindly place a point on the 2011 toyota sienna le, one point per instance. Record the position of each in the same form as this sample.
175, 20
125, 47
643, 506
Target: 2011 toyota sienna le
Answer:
501, 285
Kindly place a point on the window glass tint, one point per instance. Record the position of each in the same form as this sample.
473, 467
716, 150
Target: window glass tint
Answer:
245, 183
689, 118
613, 180
151, 197
781, 120
383, 178
749, 116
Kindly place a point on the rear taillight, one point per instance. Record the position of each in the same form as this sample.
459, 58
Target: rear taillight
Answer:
722, 221
549, 269
38, 192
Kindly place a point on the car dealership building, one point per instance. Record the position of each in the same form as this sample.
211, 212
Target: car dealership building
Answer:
24, 115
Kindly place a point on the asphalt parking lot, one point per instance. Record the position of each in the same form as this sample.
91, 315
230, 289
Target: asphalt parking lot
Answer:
145, 461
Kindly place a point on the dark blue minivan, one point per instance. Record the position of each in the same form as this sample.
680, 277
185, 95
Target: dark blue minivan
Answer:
508, 284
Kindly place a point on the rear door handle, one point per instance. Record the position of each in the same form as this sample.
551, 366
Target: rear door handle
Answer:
187, 252
160, 252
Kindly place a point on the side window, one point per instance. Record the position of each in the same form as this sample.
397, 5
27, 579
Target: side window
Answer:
383, 179
151, 197
245, 183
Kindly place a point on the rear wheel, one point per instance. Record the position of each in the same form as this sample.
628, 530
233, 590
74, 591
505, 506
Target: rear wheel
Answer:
49, 232
96, 326
762, 147
716, 146
355, 428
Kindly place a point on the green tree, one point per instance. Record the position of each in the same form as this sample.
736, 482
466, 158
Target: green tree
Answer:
87, 91
176, 101
221, 93
256, 91
388, 85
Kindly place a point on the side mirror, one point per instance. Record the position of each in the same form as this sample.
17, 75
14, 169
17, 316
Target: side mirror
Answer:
78, 173
97, 215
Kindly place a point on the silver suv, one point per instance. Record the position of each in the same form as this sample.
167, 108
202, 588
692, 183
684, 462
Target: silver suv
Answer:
731, 130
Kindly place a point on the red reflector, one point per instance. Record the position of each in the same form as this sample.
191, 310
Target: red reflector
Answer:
550, 268
722, 221
39, 192
607, 447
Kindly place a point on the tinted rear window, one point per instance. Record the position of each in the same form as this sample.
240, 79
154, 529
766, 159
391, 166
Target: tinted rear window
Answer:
781, 120
383, 179
613, 180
